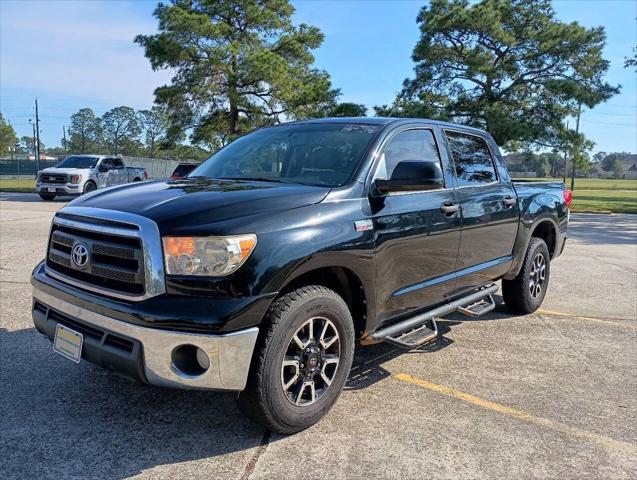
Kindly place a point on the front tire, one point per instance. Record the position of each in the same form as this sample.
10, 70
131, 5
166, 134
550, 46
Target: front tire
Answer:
526, 292
47, 197
89, 187
301, 362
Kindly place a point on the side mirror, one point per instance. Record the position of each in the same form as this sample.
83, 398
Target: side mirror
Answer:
411, 176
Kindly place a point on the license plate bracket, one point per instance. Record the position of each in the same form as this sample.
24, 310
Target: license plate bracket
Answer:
68, 343
51, 189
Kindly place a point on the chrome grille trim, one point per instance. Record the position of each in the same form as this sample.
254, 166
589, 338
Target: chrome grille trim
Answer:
132, 226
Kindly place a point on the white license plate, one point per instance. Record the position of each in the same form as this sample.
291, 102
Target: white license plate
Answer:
51, 189
68, 343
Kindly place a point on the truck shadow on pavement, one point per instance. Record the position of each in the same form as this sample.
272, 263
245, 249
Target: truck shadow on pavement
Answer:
64, 420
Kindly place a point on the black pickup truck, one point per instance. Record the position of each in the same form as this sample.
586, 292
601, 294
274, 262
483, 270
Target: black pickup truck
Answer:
261, 270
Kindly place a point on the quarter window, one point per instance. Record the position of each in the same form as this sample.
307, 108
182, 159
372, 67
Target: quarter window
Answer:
471, 155
410, 145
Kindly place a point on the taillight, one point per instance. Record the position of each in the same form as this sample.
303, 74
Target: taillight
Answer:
568, 196
145, 175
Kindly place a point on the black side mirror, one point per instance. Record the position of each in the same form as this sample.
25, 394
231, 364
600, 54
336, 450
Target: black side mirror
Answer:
411, 176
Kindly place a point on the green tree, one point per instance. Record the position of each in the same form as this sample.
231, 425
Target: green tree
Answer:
84, 132
631, 61
238, 64
505, 65
155, 123
610, 160
7, 136
26, 146
121, 130
617, 167
348, 109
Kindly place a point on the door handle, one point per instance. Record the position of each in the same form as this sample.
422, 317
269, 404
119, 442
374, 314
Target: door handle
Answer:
509, 201
449, 208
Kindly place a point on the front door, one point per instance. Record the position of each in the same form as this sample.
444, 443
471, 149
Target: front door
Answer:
416, 242
118, 174
489, 212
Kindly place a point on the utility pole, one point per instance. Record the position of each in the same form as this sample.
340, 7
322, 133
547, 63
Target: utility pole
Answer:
579, 112
565, 159
64, 135
37, 138
35, 148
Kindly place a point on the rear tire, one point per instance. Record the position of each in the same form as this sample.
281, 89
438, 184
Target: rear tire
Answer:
301, 361
47, 197
526, 292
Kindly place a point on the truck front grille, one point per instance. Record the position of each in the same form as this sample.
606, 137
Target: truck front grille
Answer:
114, 262
53, 178
109, 252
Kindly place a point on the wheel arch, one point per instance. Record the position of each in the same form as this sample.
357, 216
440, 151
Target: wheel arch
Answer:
547, 231
344, 281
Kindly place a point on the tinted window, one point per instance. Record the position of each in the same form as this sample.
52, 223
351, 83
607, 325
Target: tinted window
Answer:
117, 163
183, 170
411, 145
474, 165
311, 153
76, 161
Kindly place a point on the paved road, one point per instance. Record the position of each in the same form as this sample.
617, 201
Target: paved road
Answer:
553, 394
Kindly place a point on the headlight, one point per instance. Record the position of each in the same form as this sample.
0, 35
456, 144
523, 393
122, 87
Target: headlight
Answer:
206, 255
76, 178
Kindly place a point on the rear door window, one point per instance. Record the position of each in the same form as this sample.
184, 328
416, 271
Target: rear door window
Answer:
472, 158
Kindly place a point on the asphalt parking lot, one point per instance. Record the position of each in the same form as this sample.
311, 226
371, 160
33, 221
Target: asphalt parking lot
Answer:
548, 395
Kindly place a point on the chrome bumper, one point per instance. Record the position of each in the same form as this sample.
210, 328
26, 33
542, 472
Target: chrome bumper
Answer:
229, 354
60, 188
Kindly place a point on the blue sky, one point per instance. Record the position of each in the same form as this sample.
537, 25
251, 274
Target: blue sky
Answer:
70, 54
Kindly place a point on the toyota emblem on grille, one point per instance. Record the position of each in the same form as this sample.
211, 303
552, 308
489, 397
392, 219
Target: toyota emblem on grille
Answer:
79, 255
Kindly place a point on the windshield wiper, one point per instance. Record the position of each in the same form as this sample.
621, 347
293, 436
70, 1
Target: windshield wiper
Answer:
257, 179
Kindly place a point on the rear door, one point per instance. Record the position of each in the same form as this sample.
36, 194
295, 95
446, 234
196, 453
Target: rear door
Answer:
489, 210
416, 242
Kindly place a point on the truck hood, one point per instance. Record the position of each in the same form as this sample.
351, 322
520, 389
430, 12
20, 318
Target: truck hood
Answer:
196, 201
64, 171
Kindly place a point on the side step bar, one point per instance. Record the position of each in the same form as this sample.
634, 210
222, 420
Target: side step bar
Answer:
414, 331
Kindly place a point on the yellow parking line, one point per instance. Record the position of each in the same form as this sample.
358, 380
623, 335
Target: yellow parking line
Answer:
520, 415
594, 319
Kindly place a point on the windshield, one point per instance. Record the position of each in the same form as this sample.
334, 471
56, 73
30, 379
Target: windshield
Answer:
314, 154
75, 161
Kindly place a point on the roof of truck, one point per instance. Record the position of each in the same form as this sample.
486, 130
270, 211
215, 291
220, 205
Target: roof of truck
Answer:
383, 121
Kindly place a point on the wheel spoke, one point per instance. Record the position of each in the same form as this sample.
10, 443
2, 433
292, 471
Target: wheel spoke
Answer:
311, 331
330, 341
330, 360
298, 341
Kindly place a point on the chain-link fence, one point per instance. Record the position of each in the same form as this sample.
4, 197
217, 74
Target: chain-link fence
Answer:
25, 167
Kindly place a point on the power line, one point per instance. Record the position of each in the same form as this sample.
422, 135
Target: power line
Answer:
611, 123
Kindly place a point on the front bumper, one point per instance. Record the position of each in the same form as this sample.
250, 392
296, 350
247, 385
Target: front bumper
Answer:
146, 354
60, 189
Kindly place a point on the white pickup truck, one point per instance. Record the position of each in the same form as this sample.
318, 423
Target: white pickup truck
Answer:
79, 174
